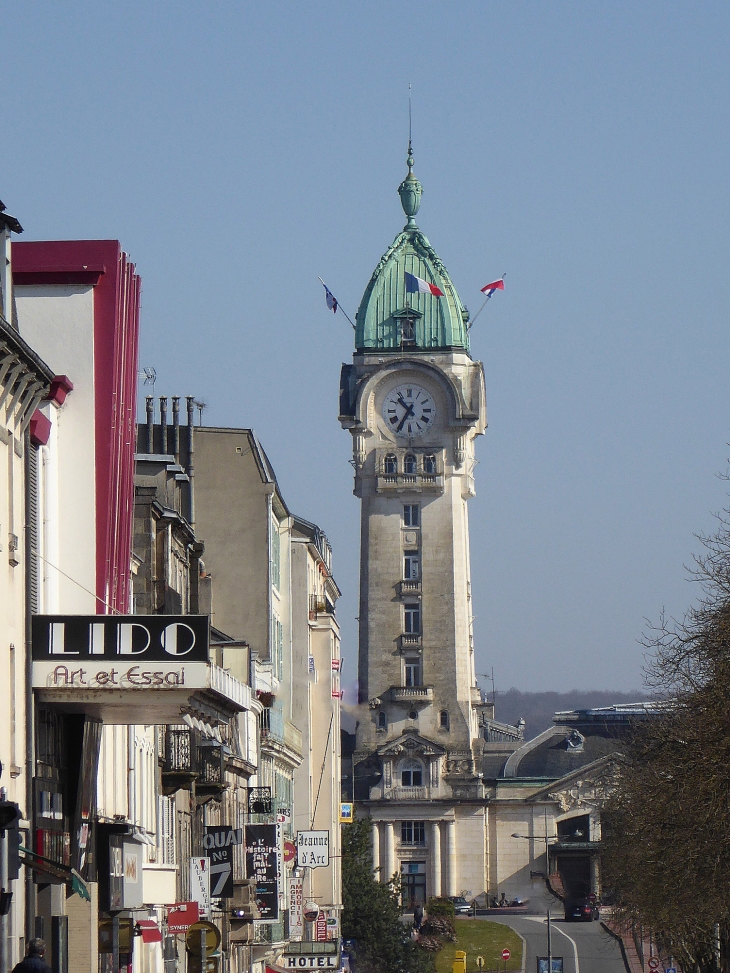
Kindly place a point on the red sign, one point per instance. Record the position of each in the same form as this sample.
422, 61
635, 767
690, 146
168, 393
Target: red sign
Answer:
506, 954
181, 916
321, 928
290, 851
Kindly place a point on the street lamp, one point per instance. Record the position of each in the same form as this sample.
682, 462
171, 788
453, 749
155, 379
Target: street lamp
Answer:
548, 838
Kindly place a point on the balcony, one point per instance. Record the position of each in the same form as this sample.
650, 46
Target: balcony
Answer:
411, 640
411, 694
408, 793
275, 729
410, 587
212, 777
409, 482
179, 757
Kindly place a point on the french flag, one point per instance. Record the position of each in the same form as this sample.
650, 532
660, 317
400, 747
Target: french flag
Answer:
489, 289
414, 285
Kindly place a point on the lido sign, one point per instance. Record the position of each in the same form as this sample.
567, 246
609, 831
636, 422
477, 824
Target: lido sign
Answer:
119, 651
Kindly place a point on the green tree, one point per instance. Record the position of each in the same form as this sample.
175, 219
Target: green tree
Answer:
666, 847
371, 914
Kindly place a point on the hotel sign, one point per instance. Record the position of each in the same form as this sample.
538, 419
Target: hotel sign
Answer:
120, 652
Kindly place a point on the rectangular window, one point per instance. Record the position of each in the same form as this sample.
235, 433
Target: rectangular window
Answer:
275, 553
412, 619
411, 515
277, 647
413, 832
413, 672
411, 566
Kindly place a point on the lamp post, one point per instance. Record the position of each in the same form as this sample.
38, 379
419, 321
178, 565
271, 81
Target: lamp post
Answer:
548, 838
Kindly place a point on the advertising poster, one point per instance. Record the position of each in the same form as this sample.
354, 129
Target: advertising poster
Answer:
262, 865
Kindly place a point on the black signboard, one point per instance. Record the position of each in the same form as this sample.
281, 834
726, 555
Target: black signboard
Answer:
121, 638
218, 844
259, 800
262, 866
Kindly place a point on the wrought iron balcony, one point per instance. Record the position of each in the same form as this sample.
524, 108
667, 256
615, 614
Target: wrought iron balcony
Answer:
275, 728
212, 776
180, 763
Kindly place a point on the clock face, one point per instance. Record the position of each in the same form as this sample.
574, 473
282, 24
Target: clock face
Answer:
409, 410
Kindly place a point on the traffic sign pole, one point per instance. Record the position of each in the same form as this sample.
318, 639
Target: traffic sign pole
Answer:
203, 949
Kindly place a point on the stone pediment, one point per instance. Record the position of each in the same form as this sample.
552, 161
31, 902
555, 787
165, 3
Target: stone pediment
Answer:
588, 788
411, 742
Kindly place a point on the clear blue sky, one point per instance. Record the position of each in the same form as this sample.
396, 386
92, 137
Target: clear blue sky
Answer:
238, 150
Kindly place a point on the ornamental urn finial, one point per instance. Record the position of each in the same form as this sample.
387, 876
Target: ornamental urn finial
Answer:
410, 191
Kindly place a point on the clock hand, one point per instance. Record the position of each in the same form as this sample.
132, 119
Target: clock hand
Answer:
409, 412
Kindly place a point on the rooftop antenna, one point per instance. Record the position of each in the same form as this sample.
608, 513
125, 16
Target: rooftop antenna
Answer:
200, 405
150, 377
490, 676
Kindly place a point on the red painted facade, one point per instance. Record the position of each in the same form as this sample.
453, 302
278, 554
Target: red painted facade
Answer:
103, 265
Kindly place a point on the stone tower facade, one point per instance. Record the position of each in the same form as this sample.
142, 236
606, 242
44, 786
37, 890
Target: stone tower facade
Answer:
414, 400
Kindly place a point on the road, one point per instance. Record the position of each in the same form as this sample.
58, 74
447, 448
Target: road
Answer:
586, 947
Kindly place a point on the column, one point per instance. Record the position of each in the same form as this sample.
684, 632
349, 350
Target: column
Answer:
376, 848
451, 858
435, 889
389, 851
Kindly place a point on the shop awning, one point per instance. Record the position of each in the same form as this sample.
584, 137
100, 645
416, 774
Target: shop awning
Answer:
56, 870
149, 931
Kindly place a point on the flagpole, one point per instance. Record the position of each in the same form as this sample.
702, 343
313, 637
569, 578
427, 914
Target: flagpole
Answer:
483, 306
339, 306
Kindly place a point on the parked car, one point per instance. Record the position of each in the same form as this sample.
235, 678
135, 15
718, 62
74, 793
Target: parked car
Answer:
461, 906
582, 910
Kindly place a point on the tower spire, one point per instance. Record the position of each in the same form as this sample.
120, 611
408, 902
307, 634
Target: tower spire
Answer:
410, 190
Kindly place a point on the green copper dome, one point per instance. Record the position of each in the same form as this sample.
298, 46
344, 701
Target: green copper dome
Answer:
390, 319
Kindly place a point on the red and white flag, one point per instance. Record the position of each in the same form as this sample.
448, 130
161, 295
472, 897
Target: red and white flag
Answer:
496, 285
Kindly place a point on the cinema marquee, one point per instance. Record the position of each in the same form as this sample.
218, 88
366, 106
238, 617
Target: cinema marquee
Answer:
118, 667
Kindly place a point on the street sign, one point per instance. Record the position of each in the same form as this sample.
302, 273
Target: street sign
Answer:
506, 954
296, 904
542, 964
670, 969
654, 963
200, 884
212, 937
313, 849
480, 962
290, 851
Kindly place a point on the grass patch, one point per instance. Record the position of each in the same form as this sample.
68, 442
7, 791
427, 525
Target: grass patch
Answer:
480, 937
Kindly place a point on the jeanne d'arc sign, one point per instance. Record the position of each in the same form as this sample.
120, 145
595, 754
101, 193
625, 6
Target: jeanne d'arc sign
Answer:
108, 663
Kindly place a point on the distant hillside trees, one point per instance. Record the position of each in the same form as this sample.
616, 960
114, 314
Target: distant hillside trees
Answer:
666, 842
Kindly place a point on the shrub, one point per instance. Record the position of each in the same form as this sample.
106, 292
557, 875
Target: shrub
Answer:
440, 907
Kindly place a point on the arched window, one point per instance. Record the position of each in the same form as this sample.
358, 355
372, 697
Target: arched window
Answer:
444, 719
382, 721
409, 465
429, 464
411, 773
391, 465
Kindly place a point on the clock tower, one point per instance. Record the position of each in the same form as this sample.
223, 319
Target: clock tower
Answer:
414, 400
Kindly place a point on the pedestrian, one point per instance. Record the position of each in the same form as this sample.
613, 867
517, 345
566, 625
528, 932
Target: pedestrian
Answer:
418, 916
34, 962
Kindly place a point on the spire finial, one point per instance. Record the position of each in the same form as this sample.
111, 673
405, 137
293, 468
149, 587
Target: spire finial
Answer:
410, 189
